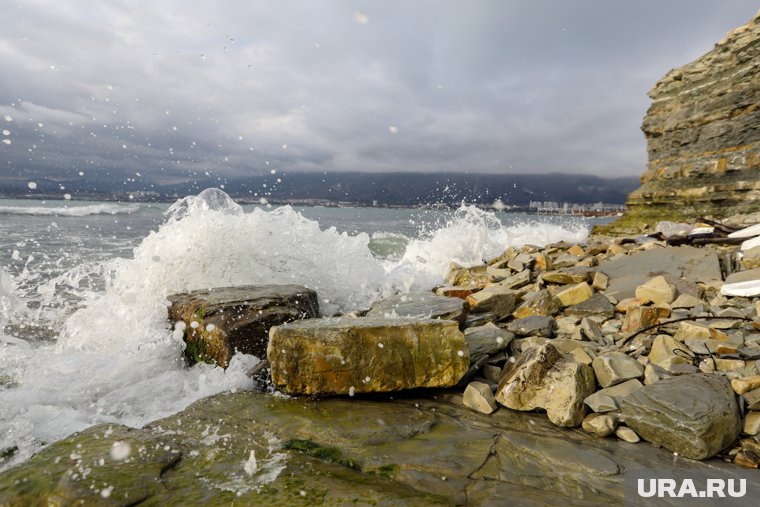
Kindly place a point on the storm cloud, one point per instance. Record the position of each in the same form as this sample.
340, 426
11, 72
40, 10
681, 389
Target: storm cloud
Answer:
169, 89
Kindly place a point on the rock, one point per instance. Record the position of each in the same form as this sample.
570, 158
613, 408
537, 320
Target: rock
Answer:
592, 331
537, 303
518, 280
542, 377
751, 424
702, 138
368, 354
601, 425
478, 397
746, 275
693, 415
566, 325
752, 398
493, 299
568, 276
534, 325
685, 301
654, 373
421, 304
656, 290
614, 368
608, 399
491, 373
219, 322
691, 330
751, 256
455, 291
596, 305
692, 264
640, 317
600, 281
574, 294
627, 434
745, 384
475, 276
487, 339
666, 352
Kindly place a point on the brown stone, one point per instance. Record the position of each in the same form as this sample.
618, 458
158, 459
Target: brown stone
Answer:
366, 354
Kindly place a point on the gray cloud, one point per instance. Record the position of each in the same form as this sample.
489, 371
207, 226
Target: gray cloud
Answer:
171, 87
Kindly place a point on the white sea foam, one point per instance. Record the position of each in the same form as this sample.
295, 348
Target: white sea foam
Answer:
70, 211
116, 360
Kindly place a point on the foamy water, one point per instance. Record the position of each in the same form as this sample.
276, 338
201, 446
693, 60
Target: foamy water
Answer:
68, 211
113, 358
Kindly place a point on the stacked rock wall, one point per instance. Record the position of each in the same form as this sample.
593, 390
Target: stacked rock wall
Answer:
703, 138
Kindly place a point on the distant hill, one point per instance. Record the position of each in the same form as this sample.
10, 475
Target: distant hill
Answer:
356, 187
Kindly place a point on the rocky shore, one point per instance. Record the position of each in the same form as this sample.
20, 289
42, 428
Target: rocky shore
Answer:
536, 378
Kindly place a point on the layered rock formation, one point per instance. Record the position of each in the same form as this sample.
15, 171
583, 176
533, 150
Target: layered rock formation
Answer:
703, 138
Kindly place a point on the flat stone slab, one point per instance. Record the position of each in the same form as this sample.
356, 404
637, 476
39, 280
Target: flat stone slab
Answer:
628, 272
422, 304
694, 415
221, 321
366, 354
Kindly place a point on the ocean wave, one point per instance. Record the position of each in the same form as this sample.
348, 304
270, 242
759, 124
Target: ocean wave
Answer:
70, 211
115, 359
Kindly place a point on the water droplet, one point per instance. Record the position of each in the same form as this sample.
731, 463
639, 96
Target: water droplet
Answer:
8, 117
6, 132
67, 197
120, 451
32, 185
361, 17
393, 129
6, 141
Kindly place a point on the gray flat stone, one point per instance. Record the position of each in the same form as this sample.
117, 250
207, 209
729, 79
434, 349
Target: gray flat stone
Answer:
693, 415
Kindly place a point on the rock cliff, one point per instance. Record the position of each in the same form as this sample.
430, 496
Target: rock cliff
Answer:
703, 138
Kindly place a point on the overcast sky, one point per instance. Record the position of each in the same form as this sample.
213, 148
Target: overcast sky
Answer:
234, 87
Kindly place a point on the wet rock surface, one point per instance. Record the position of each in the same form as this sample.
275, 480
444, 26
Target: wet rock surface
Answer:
406, 451
423, 305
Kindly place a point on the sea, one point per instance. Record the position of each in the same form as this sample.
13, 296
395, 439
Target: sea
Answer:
84, 334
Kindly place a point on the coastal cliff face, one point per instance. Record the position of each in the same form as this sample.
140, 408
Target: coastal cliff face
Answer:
703, 139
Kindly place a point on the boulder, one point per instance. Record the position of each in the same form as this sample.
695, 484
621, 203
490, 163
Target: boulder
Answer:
367, 354
476, 276
218, 322
693, 415
422, 304
613, 368
543, 377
